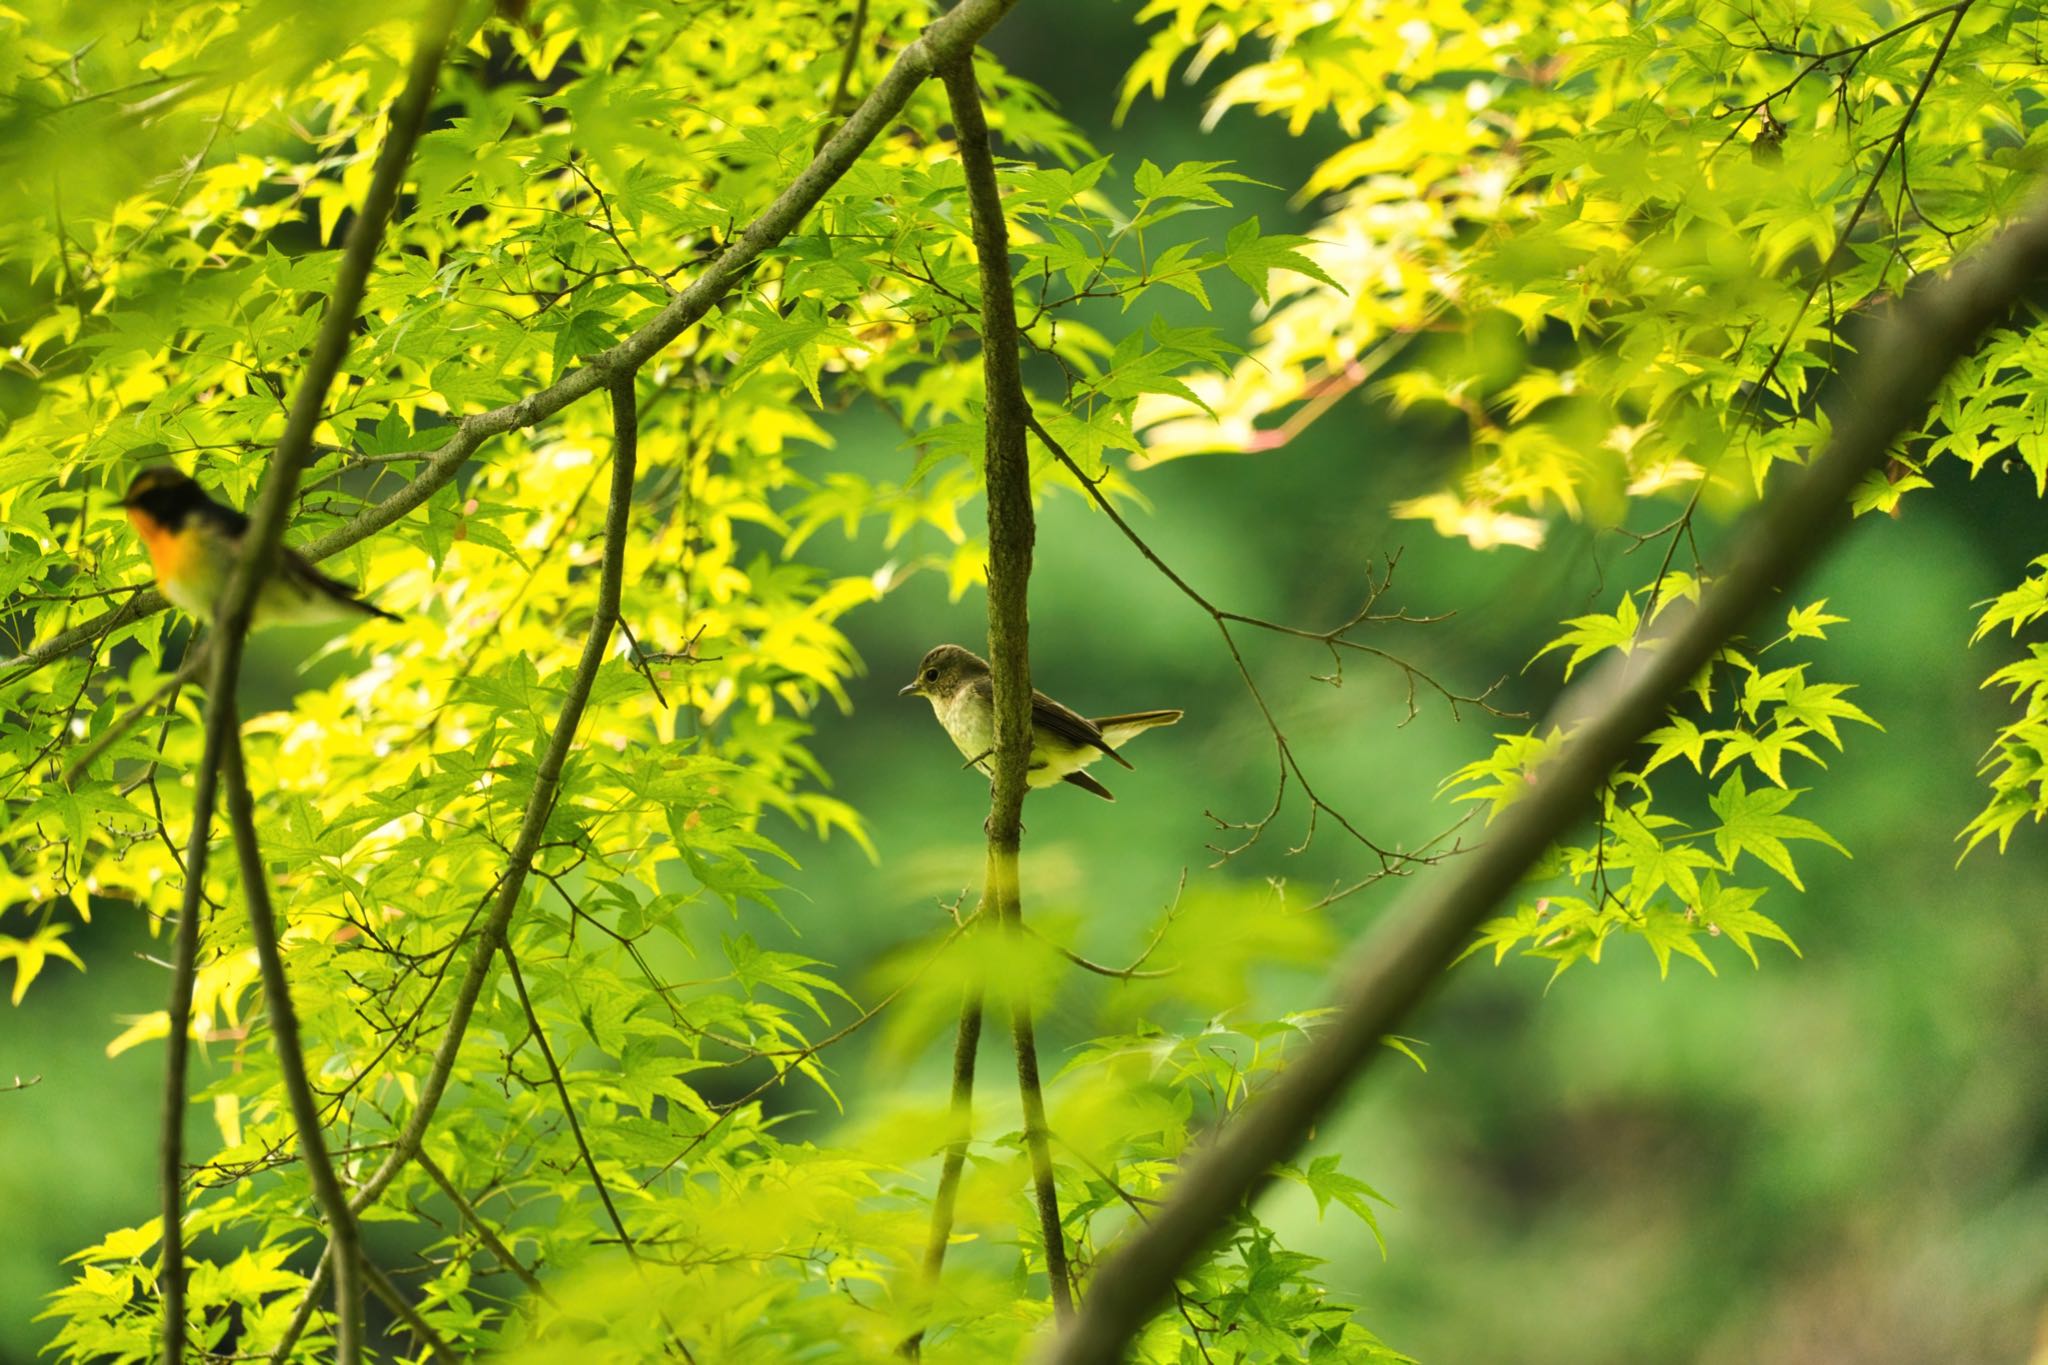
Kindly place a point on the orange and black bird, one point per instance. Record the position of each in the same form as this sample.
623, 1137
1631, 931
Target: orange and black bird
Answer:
193, 542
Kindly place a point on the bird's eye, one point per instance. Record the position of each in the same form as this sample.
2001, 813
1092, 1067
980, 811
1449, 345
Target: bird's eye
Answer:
931, 674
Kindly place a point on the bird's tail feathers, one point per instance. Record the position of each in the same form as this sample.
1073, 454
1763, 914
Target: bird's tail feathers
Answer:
1116, 730
1088, 784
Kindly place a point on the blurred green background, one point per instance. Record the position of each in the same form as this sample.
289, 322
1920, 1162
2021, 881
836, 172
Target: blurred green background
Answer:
1840, 1157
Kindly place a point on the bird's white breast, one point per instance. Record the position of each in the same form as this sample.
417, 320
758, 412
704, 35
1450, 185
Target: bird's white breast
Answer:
971, 727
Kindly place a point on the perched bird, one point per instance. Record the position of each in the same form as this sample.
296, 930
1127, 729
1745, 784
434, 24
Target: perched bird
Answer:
957, 684
193, 541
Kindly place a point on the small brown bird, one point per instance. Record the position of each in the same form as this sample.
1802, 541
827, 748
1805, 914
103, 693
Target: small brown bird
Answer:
193, 542
956, 682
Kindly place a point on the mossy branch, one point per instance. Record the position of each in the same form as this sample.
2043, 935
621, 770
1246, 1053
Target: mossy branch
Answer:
1011, 531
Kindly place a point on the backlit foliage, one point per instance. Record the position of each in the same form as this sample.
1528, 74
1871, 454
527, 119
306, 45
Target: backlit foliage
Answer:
1622, 248
1616, 247
583, 162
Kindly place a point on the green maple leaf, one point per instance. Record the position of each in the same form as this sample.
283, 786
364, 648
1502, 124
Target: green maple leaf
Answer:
1755, 823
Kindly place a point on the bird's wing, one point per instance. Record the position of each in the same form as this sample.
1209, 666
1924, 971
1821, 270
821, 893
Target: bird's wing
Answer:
1088, 784
296, 567
1070, 725
223, 519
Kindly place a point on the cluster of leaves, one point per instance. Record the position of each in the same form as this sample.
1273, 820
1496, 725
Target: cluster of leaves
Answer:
1674, 880
1623, 246
608, 1134
1648, 226
2017, 764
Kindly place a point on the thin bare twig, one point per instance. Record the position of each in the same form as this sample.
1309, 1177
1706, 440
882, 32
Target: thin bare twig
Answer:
1134, 972
1392, 861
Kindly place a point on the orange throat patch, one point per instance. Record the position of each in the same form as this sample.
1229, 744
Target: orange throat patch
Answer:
169, 553
179, 560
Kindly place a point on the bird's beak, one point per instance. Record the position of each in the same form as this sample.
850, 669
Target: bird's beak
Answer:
909, 691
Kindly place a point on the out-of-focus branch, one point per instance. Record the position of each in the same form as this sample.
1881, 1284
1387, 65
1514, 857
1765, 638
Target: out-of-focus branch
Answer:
960, 1115
1887, 396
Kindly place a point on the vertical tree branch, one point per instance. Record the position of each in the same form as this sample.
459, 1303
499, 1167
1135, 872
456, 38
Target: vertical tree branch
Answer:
1010, 533
232, 616
344, 1246
177, 1061
1886, 398
966, 1042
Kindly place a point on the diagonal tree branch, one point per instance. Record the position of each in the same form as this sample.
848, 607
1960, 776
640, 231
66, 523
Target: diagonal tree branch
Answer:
1007, 473
1886, 397
540, 803
490, 936
953, 33
223, 742
486, 1234
547, 1052
380, 1285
